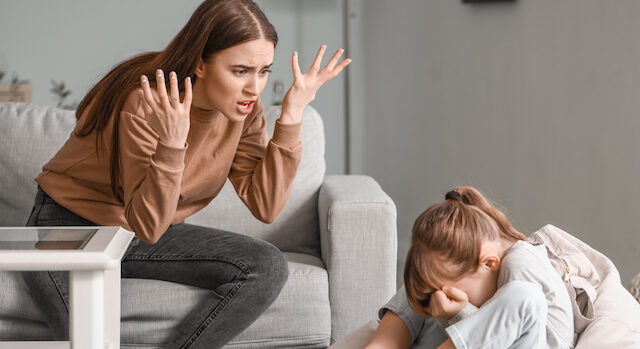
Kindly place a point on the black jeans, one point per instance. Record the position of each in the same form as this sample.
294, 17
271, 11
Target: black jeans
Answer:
244, 274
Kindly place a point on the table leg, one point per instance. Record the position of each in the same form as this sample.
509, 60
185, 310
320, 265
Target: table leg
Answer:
86, 313
112, 307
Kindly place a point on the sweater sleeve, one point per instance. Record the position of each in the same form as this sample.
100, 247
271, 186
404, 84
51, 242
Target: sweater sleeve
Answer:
263, 170
151, 174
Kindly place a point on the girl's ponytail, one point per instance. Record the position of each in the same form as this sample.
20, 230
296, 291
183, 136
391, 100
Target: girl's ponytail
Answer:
471, 196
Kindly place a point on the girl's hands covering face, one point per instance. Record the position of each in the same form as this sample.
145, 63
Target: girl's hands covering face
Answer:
447, 302
165, 113
305, 86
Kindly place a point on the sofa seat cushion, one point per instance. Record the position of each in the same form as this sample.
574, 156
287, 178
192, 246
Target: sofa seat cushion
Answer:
152, 308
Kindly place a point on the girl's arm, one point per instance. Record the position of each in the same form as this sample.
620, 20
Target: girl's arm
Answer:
448, 344
392, 333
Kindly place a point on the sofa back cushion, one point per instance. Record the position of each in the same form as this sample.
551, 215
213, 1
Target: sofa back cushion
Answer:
30, 135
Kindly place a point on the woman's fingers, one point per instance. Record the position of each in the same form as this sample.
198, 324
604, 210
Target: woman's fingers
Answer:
147, 94
188, 94
297, 74
163, 100
334, 60
305, 86
316, 62
161, 87
147, 108
174, 93
340, 67
331, 68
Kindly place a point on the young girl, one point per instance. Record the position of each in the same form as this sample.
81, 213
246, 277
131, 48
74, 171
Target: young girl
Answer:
473, 281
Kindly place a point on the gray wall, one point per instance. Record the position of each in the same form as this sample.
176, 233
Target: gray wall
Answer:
535, 102
78, 41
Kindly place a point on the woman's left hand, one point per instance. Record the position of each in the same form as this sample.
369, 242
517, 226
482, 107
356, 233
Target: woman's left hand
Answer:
305, 86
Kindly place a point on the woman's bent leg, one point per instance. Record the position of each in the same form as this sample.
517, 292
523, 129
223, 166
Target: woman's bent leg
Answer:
515, 317
245, 274
50, 289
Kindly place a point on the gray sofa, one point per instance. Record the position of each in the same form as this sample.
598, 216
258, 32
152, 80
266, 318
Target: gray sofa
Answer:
338, 233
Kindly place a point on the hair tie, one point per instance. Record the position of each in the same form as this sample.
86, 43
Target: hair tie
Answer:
453, 195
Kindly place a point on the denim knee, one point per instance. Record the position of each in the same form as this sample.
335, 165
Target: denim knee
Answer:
270, 266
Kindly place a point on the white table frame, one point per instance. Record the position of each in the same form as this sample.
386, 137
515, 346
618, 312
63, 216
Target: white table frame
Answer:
94, 286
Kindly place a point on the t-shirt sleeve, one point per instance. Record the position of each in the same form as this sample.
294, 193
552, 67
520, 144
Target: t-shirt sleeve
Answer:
400, 305
263, 170
523, 263
464, 313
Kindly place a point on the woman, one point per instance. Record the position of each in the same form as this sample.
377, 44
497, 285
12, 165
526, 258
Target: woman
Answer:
145, 158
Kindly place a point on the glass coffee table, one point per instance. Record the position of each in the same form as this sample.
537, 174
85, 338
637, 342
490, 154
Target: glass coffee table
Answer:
92, 256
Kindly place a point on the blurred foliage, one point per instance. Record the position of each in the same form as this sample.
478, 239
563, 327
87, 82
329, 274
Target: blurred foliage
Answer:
61, 92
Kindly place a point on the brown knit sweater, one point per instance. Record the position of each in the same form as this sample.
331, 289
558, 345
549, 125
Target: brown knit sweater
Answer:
162, 185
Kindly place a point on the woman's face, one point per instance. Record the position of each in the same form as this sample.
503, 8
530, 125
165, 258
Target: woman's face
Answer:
232, 79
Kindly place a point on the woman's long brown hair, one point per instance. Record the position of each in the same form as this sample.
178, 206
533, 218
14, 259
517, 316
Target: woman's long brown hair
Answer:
214, 26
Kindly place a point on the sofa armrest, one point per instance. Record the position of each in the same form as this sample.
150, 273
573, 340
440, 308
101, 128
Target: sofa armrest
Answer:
358, 239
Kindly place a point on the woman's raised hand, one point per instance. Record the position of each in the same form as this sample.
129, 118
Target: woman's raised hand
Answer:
305, 86
165, 113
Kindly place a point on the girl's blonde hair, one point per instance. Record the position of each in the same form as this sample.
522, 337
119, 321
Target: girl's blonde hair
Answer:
452, 231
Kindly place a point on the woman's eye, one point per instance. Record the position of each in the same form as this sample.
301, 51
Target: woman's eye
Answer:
265, 72
239, 72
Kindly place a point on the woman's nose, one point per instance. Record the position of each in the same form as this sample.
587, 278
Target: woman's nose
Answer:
253, 86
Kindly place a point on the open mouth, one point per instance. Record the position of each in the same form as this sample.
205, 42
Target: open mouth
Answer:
245, 107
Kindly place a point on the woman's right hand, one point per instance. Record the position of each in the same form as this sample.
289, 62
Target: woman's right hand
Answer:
165, 113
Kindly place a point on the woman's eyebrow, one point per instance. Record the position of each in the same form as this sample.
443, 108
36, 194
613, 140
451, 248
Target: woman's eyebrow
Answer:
248, 67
